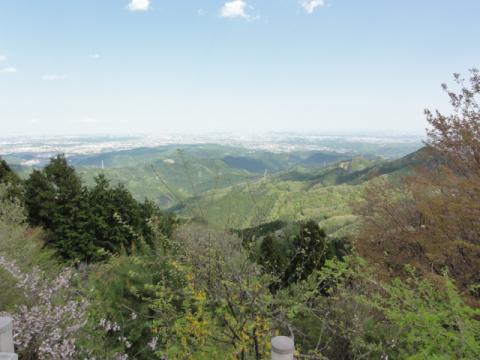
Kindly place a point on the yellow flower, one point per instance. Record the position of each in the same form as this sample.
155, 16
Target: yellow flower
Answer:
200, 296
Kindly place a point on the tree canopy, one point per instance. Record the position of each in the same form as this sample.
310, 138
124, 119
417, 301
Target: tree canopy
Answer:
87, 224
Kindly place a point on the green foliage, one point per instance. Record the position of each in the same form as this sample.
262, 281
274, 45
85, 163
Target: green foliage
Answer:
431, 323
168, 176
273, 255
88, 224
296, 251
12, 244
124, 291
272, 199
201, 293
250, 234
118, 220
311, 251
8, 177
241, 312
163, 304
20, 244
344, 312
17, 241
56, 200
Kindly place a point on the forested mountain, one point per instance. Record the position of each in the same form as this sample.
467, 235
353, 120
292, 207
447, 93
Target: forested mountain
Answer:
325, 194
355, 256
170, 175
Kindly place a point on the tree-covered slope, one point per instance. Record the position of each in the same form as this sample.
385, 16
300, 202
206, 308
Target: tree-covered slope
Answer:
169, 176
324, 194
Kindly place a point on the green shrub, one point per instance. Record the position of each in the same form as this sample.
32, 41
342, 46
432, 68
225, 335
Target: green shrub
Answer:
344, 312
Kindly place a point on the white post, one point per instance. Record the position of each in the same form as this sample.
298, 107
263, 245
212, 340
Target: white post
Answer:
282, 348
7, 351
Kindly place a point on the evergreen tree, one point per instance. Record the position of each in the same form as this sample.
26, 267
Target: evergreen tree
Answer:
311, 249
273, 255
6, 171
297, 251
116, 216
39, 199
88, 224
11, 179
56, 200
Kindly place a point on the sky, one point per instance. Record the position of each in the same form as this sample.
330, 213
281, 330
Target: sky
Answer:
154, 66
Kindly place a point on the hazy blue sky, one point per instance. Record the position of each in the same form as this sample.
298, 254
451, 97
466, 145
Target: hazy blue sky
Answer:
82, 66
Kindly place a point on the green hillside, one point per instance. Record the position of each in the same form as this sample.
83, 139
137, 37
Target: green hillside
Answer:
233, 187
168, 175
272, 198
298, 194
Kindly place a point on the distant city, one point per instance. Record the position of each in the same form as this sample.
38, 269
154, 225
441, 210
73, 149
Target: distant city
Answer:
35, 150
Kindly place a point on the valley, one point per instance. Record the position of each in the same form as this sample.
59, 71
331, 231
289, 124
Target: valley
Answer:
235, 187
186, 167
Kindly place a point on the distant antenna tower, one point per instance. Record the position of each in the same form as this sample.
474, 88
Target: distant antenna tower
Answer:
103, 167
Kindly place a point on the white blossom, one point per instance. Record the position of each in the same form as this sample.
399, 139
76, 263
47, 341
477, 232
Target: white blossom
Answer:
43, 325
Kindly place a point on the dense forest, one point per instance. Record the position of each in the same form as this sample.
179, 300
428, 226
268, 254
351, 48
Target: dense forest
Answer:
90, 272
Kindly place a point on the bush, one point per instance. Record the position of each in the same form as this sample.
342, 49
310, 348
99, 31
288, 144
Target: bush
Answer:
344, 312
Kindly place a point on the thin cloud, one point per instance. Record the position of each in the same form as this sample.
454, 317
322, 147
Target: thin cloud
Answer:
89, 120
310, 5
139, 5
236, 9
3, 58
94, 56
8, 70
53, 77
